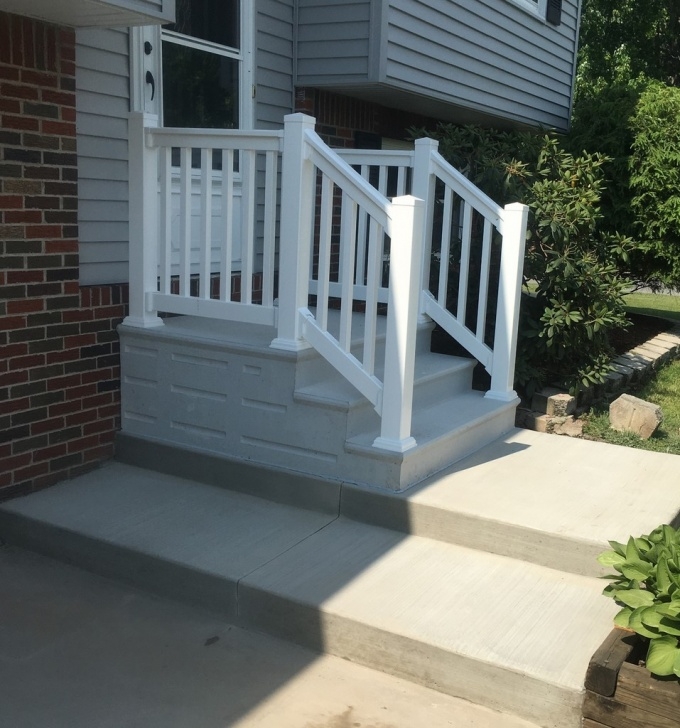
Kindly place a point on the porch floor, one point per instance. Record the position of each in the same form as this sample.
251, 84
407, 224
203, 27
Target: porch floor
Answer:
478, 583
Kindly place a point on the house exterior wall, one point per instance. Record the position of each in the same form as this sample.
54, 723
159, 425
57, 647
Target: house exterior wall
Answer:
103, 104
508, 62
274, 54
59, 373
334, 42
464, 60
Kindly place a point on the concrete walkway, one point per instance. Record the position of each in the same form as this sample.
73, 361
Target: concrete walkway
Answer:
79, 651
478, 583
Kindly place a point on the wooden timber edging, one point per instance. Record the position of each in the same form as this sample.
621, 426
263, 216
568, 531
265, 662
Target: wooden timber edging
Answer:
620, 694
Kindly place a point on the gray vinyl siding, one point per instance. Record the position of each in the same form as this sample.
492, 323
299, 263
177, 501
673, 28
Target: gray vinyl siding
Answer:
334, 41
103, 103
274, 38
493, 57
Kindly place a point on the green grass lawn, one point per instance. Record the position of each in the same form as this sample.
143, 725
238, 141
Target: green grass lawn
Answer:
663, 390
654, 304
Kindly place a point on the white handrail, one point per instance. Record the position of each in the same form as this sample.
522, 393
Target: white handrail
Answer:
353, 219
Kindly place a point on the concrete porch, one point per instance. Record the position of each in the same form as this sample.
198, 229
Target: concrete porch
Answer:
478, 583
219, 387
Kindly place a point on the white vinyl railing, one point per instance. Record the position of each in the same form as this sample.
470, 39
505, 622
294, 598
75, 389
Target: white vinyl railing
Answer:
207, 210
344, 199
356, 226
480, 232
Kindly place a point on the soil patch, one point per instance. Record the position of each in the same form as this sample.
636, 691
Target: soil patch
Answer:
642, 329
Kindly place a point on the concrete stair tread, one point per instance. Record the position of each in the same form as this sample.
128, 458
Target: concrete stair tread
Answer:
437, 613
445, 418
335, 391
552, 500
211, 530
497, 610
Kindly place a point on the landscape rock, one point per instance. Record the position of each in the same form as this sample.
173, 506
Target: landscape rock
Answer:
571, 427
631, 414
553, 402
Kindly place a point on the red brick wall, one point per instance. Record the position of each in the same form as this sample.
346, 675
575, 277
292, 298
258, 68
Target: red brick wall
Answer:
59, 361
339, 118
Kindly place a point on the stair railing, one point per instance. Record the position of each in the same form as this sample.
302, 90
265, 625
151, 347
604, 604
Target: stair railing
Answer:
324, 228
474, 223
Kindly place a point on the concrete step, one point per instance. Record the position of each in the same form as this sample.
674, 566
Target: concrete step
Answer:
78, 651
513, 636
437, 377
445, 432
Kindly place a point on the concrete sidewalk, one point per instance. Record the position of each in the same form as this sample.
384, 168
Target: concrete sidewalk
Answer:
79, 651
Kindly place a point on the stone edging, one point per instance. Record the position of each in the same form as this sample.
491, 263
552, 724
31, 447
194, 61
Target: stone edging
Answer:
553, 410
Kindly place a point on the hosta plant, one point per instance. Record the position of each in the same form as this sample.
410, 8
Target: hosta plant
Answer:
647, 588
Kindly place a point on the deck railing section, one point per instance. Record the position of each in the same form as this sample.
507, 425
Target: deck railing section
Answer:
208, 210
344, 200
340, 238
471, 231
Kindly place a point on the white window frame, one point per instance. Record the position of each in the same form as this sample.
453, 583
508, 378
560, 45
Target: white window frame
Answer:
155, 34
537, 8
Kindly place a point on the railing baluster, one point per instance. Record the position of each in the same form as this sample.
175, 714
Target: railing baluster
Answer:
185, 223
165, 236
269, 242
484, 281
445, 248
249, 192
382, 180
362, 233
348, 225
324, 267
205, 239
401, 181
375, 254
464, 262
227, 248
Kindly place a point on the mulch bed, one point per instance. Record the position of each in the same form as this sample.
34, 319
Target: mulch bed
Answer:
642, 329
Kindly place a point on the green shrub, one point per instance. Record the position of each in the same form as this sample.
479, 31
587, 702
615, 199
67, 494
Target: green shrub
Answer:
574, 290
655, 180
647, 588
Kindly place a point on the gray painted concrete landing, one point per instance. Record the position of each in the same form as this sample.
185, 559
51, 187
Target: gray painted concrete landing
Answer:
79, 651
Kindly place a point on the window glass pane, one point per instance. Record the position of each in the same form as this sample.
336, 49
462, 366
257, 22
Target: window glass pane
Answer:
199, 89
213, 20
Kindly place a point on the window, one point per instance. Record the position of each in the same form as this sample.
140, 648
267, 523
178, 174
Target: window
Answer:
204, 68
535, 7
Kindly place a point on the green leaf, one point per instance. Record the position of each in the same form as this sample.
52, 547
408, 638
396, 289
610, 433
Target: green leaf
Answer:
636, 570
663, 655
632, 553
611, 558
635, 598
668, 625
635, 622
622, 619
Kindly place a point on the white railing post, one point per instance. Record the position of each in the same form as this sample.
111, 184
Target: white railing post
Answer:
514, 228
406, 249
297, 204
143, 187
423, 187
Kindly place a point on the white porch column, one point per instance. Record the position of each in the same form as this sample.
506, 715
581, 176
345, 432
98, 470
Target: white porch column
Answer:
423, 187
143, 186
509, 294
406, 250
297, 204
